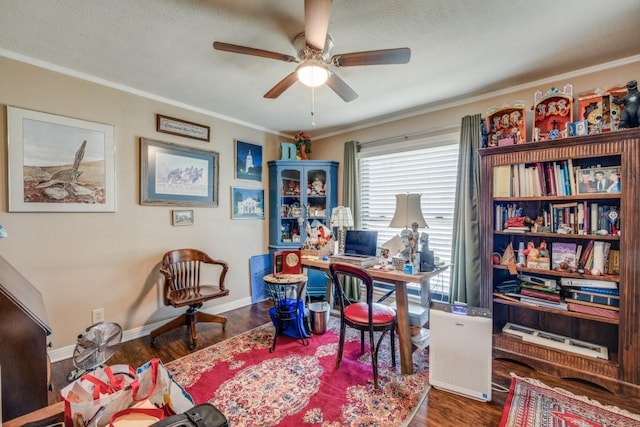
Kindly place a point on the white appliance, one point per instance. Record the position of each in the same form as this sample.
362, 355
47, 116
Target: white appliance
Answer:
460, 350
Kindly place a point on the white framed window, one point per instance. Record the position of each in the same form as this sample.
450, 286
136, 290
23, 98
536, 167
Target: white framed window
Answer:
427, 166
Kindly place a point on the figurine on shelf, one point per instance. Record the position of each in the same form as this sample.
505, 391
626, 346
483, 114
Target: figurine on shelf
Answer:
317, 187
543, 251
630, 115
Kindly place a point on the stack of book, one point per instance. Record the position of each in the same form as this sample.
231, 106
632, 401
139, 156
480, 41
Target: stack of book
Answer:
532, 290
595, 301
599, 298
544, 294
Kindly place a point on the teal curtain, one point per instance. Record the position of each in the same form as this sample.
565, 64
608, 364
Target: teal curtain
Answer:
351, 198
465, 252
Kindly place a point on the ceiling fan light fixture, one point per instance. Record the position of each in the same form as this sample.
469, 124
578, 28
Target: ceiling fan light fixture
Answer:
312, 73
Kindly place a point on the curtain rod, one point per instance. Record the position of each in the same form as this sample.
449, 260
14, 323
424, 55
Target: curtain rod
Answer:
414, 135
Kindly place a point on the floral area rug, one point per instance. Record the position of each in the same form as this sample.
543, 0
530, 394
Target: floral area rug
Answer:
299, 386
531, 403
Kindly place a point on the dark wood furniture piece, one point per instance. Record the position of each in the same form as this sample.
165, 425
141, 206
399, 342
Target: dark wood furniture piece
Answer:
23, 333
366, 316
182, 270
621, 372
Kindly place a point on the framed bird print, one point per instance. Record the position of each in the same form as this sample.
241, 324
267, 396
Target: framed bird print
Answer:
59, 164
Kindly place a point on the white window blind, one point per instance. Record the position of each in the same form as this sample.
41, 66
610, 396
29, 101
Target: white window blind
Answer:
428, 166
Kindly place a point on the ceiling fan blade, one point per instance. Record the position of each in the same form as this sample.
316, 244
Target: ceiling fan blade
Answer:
339, 86
281, 86
316, 22
400, 55
227, 47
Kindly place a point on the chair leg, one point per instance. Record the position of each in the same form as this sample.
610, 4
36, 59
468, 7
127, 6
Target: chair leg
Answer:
192, 328
374, 358
362, 342
175, 323
343, 331
212, 318
393, 347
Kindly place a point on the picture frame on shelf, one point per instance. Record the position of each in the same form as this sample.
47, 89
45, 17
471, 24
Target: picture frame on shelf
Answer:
176, 175
248, 161
247, 203
179, 127
59, 164
598, 180
182, 217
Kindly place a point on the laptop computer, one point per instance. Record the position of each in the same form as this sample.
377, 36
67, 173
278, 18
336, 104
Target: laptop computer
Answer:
360, 248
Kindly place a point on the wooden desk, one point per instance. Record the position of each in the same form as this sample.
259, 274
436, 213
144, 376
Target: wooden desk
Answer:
399, 280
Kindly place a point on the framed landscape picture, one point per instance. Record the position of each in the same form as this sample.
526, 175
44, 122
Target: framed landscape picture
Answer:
174, 175
248, 161
247, 203
59, 164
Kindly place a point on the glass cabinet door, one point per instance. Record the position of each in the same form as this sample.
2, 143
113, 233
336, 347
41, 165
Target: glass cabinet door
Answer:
316, 195
291, 203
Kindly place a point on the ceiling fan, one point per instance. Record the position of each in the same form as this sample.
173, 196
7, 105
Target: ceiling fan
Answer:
314, 49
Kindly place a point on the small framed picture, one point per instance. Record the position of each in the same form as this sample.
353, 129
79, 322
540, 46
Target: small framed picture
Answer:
181, 217
598, 180
247, 203
248, 161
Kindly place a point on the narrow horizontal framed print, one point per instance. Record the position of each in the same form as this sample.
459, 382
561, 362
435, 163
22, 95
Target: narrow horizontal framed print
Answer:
173, 126
59, 164
175, 175
247, 203
181, 217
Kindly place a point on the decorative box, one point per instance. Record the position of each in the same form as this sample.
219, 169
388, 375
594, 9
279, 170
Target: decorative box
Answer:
596, 107
552, 110
506, 125
540, 263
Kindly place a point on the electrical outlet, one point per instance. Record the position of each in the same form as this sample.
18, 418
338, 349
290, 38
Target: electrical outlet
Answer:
97, 315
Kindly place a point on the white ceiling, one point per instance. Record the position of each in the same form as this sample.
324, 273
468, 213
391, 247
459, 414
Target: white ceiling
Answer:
459, 48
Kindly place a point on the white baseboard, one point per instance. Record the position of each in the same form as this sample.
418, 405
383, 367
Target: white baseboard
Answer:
62, 353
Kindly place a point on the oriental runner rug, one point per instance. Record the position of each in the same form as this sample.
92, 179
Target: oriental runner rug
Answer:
298, 385
533, 404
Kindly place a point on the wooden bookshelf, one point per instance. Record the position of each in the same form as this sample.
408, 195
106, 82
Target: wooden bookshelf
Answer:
621, 373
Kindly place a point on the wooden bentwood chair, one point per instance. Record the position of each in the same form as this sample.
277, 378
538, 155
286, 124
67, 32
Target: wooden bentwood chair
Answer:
182, 270
365, 316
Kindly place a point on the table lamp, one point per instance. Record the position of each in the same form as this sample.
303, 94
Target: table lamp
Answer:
341, 218
408, 213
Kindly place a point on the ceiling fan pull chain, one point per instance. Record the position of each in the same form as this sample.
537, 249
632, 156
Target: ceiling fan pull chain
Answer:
313, 103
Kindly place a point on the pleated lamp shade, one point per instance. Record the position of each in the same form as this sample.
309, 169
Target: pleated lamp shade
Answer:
408, 211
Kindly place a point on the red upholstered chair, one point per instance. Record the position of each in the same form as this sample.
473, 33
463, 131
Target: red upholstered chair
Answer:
366, 316
182, 288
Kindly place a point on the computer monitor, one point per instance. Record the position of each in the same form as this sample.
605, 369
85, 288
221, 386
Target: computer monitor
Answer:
361, 242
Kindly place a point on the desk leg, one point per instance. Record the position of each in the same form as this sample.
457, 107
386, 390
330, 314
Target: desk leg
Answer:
404, 335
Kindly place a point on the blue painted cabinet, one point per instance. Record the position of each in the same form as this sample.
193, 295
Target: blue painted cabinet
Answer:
301, 192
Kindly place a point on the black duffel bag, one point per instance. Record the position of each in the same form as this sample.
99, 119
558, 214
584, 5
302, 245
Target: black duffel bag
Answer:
203, 415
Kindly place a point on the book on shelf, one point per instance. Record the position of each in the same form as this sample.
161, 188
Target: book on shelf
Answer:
573, 282
502, 181
600, 291
563, 255
559, 305
613, 266
550, 296
594, 311
594, 297
592, 304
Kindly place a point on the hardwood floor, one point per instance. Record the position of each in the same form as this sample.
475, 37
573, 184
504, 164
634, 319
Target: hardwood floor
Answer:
441, 408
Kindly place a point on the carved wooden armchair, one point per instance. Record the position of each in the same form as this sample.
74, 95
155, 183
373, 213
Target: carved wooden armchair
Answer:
182, 271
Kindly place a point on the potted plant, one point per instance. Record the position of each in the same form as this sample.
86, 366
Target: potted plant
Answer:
303, 145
